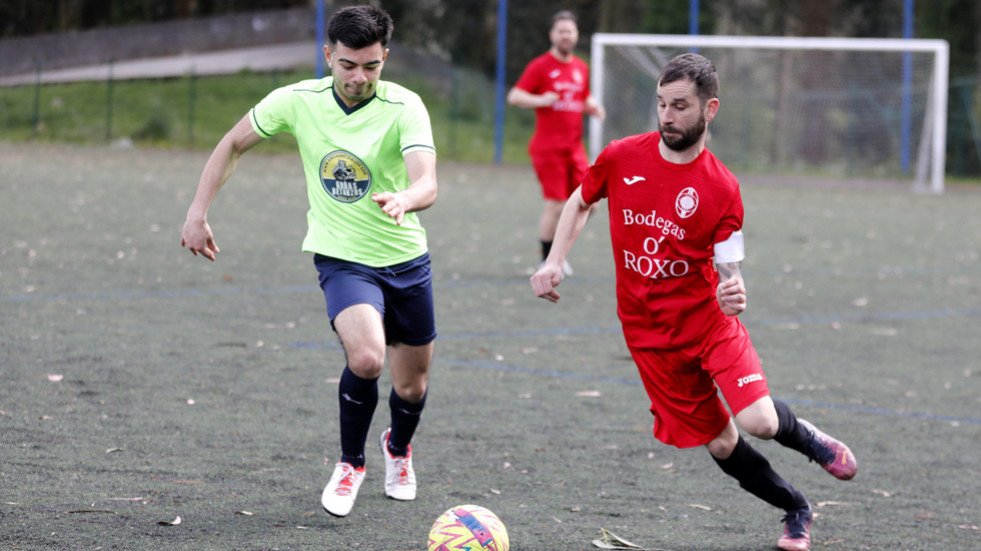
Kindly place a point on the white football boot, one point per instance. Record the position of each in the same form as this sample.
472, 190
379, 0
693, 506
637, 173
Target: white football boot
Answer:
340, 493
400, 479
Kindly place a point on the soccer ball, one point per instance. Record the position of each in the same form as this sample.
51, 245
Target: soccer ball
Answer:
468, 527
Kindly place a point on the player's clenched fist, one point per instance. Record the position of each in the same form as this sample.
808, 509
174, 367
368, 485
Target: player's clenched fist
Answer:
544, 281
731, 295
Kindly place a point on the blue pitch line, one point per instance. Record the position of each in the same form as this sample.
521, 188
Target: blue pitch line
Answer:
438, 284
168, 294
806, 320
812, 320
803, 320
922, 314
531, 332
880, 411
634, 382
242, 291
884, 271
316, 345
548, 372
223, 291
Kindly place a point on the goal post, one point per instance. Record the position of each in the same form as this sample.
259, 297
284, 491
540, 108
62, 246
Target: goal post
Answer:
847, 108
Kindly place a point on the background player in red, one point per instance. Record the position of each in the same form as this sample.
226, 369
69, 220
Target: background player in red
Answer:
556, 85
675, 223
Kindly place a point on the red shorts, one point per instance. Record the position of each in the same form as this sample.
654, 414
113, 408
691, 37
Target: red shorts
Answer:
681, 384
560, 171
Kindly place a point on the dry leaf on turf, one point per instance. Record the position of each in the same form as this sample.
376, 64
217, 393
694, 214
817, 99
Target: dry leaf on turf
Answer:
613, 541
827, 503
174, 522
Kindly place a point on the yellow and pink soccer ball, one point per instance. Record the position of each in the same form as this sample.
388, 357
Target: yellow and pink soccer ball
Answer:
468, 527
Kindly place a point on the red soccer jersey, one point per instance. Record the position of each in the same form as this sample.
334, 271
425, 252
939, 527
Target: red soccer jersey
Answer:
664, 220
558, 126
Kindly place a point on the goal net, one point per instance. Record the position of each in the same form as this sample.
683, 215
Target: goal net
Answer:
794, 108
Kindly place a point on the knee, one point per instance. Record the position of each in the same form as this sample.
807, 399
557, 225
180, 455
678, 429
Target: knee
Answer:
760, 426
720, 448
760, 419
413, 390
722, 445
366, 362
413, 393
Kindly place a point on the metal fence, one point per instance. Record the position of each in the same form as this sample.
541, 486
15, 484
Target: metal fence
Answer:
463, 110
56, 51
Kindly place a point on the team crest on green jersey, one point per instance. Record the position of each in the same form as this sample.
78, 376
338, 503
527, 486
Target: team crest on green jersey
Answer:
345, 177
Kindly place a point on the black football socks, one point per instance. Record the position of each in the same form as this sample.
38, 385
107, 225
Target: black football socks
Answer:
790, 433
358, 398
756, 476
405, 419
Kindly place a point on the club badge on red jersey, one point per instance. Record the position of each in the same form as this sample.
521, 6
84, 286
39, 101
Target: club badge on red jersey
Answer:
686, 203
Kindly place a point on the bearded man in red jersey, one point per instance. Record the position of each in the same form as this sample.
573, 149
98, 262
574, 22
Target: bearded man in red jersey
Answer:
556, 85
676, 216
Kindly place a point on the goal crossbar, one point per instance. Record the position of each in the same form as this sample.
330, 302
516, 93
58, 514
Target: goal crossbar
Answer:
935, 132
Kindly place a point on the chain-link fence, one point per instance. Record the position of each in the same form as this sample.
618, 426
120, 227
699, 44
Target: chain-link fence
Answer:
191, 108
195, 110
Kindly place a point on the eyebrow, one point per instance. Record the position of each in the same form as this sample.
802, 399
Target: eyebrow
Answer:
682, 99
346, 60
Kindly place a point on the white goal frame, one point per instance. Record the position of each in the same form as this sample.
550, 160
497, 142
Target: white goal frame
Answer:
934, 128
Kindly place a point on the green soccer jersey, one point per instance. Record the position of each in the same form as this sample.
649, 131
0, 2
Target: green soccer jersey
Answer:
348, 154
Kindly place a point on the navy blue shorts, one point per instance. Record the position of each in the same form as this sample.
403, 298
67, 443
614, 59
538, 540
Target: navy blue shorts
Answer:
402, 294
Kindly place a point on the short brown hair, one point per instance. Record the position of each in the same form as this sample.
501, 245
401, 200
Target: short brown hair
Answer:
696, 68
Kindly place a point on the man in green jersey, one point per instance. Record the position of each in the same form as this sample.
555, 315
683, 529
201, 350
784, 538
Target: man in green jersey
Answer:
370, 164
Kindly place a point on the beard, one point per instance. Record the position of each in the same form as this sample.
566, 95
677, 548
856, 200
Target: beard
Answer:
680, 139
565, 48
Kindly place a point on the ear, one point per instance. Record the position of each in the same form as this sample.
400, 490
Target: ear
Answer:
385, 55
711, 108
327, 54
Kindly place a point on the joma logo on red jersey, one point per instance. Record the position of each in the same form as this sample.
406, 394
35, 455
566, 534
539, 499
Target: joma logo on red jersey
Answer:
749, 379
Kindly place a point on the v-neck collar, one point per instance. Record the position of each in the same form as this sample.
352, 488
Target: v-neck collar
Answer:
344, 107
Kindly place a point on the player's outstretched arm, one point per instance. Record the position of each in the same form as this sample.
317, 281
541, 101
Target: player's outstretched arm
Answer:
731, 292
571, 222
422, 190
526, 100
196, 234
